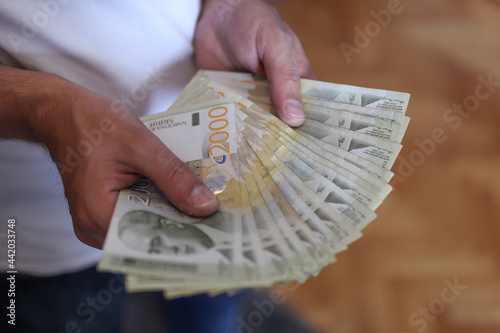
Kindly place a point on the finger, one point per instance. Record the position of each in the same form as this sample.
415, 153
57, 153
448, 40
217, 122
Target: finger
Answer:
279, 58
91, 206
94, 239
175, 179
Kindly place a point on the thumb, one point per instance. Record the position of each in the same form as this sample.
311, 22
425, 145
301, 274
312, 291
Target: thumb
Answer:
176, 180
284, 84
285, 63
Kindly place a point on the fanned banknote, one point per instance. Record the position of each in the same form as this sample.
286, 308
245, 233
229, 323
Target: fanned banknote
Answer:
290, 199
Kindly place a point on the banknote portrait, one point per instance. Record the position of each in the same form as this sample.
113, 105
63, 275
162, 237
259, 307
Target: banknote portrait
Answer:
154, 233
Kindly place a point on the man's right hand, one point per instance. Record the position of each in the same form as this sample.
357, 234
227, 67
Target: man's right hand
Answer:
100, 147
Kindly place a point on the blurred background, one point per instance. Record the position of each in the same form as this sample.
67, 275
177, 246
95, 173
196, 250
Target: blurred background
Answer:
430, 262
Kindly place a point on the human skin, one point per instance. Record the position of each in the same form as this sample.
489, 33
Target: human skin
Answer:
249, 35
55, 112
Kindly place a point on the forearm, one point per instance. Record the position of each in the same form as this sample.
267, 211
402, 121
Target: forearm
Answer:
28, 103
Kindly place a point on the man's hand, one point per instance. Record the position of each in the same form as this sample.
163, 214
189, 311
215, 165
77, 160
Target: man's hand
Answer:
62, 115
249, 35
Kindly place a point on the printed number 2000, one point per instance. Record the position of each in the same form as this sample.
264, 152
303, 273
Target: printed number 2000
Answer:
219, 137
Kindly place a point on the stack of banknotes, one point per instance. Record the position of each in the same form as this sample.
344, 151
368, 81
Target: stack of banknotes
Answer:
290, 198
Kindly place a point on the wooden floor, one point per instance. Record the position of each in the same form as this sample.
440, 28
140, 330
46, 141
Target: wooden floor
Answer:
430, 262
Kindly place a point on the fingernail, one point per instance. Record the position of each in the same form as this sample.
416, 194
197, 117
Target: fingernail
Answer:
293, 112
202, 196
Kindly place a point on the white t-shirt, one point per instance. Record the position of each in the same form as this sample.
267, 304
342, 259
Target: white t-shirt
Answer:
138, 53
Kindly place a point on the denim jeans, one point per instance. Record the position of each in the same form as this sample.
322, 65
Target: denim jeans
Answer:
89, 301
